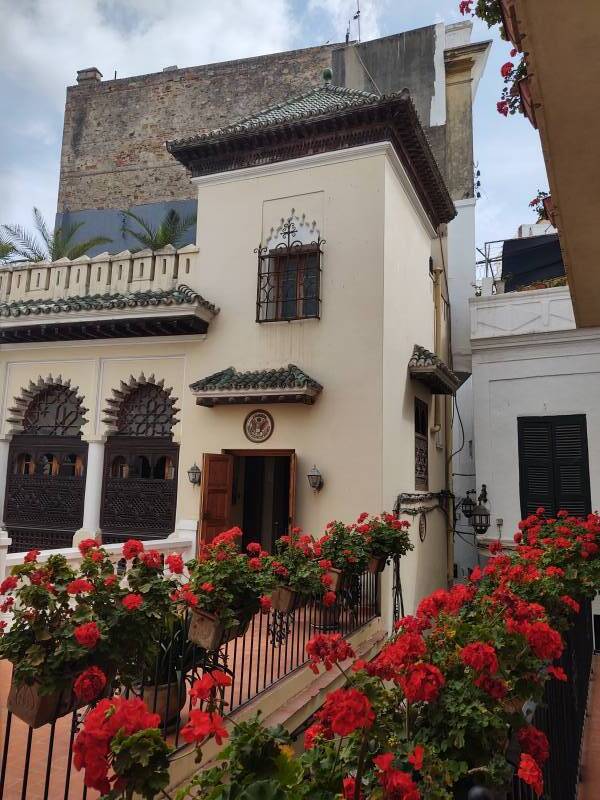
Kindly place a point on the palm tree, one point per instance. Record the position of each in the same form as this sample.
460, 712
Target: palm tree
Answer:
170, 229
47, 246
6, 250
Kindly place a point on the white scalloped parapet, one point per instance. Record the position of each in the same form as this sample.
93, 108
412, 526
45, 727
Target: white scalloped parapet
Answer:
106, 273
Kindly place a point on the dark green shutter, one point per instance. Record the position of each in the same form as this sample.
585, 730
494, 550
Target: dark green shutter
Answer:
553, 464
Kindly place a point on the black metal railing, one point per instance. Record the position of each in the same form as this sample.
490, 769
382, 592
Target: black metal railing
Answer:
561, 715
38, 762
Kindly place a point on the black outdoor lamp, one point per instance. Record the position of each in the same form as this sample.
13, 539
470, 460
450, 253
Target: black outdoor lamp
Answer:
467, 506
480, 518
194, 474
315, 479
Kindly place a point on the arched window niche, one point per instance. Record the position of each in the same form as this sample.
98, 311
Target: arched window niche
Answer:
46, 465
139, 493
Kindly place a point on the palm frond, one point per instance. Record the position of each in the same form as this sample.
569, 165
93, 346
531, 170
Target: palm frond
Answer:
62, 238
81, 248
24, 243
6, 249
146, 236
169, 231
42, 228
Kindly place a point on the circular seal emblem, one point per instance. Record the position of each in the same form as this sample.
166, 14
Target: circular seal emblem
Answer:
258, 426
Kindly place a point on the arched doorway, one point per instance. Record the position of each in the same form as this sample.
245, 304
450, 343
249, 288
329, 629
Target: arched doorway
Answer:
45, 485
139, 493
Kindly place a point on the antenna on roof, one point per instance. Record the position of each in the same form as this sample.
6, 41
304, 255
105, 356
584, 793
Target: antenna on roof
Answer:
348, 32
357, 17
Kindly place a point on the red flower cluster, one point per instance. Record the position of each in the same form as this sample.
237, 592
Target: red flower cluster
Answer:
87, 635
545, 642
31, 556
465, 6
8, 583
265, 604
329, 599
328, 649
85, 545
313, 733
132, 548
480, 656
397, 785
91, 750
535, 743
530, 773
89, 685
205, 687
174, 562
202, 725
422, 683
506, 69
151, 559
345, 711
132, 601
80, 586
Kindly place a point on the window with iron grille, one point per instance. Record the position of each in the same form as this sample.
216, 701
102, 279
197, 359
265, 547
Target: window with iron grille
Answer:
421, 444
289, 278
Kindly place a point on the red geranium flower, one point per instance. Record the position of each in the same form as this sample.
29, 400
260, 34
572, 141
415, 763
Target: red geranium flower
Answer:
79, 586
328, 649
151, 559
110, 580
132, 548
255, 564
89, 684
87, 635
545, 642
265, 604
506, 69
570, 603
558, 673
329, 599
535, 743
315, 731
349, 788
207, 587
8, 583
254, 548
203, 724
480, 657
530, 773
175, 563
422, 682
132, 601
502, 107
85, 545
495, 687
416, 757
31, 556
345, 711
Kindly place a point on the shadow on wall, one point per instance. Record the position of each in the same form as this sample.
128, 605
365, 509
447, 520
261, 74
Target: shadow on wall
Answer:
110, 222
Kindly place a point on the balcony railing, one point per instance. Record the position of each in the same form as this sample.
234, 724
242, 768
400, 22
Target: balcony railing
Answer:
38, 763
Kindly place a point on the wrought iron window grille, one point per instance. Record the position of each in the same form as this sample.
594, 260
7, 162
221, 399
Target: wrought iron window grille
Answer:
289, 278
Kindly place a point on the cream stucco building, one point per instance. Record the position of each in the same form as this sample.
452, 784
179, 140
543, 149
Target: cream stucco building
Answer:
319, 265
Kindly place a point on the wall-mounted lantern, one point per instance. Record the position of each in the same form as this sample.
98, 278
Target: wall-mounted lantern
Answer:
480, 519
467, 505
315, 479
194, 474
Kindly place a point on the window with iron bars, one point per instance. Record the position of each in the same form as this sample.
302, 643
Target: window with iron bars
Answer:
421, 445
289, 278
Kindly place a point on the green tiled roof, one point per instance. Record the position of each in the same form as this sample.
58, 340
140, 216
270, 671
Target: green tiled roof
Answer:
321, 100
182, 294
431, 370
290, 377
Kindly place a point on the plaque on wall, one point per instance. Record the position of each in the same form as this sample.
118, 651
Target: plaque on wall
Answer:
258, 426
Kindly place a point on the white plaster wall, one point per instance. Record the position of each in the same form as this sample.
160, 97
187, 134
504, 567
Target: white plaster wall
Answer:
543, 374
461, 276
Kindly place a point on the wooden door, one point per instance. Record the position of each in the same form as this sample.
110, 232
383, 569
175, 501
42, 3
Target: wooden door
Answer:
215, 502
292, 505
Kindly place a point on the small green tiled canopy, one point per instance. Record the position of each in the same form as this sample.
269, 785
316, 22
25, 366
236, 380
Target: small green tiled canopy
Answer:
285, 385
429, 369
106, 302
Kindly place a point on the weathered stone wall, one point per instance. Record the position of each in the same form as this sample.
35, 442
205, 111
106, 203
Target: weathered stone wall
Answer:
113, 150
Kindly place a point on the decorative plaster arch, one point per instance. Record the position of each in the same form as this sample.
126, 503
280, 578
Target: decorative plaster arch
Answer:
125, 391
22, 402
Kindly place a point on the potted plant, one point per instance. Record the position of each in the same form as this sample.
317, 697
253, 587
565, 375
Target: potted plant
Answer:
59, 646
385, 537
346, 552
296, 571
225, 590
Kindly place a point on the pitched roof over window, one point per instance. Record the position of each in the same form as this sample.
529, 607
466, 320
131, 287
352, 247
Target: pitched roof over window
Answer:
285, 385
429, 369
324, 119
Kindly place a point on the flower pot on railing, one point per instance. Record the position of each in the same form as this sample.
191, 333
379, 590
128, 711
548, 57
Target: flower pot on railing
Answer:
376, 564
167, 700
36, 709
285, 599
527, 105
337, 576
549, 210
210, 632
510, 23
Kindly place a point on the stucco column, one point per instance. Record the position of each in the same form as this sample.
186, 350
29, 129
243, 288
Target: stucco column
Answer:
90, 528
4, 445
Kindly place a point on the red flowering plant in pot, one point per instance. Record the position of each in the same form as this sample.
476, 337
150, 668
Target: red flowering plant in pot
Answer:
226, 588
344, 552
121, 751
60, 638
385, 537
297, 570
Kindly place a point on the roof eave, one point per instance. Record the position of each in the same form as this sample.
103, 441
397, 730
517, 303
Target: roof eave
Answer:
209, 398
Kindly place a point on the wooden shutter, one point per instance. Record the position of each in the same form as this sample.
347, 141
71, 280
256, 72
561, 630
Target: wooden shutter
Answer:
553, 464
215, 502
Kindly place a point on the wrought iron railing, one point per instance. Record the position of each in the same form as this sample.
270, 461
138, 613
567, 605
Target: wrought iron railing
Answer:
561, 715
38, 763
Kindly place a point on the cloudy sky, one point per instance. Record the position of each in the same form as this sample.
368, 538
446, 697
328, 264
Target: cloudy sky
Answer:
44, 42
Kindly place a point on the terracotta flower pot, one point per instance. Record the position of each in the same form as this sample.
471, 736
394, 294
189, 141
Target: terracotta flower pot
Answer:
510, 23
527, 100
37, 709
376, 564
336, 576
208, 631
285, 599
166, 700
